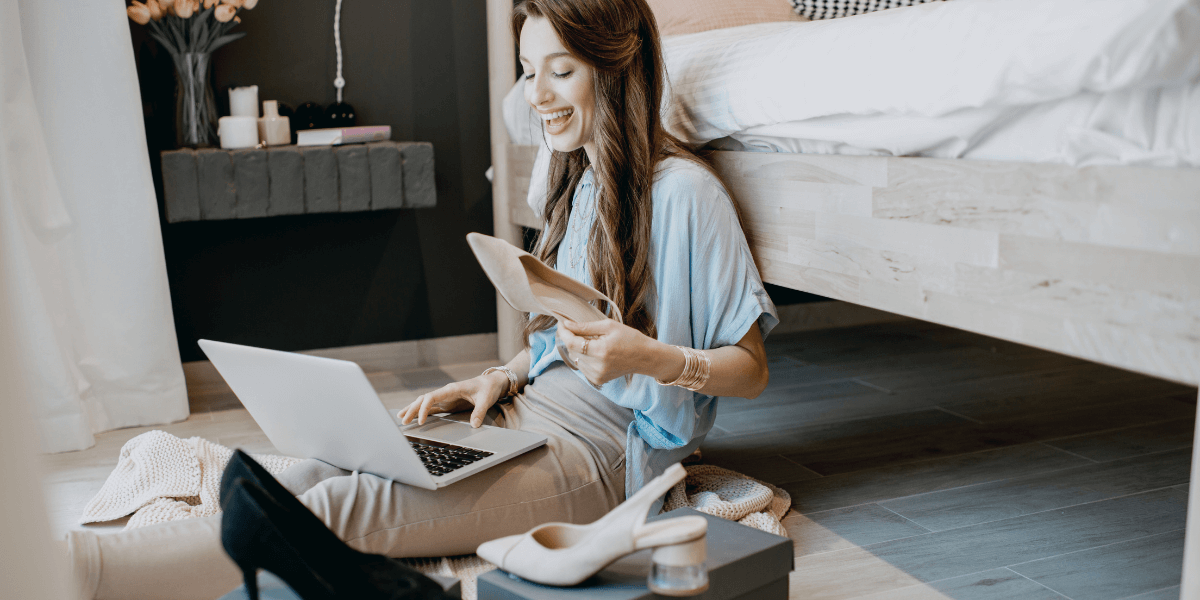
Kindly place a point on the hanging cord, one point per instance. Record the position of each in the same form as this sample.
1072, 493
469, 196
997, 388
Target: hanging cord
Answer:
338, 83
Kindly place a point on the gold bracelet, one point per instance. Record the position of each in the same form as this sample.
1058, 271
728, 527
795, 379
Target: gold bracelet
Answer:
696, 369
512, 380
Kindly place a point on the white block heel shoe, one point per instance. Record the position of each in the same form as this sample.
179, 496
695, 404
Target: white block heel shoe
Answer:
565, 554
529, 285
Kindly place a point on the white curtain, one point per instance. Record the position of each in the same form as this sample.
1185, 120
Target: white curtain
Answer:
83, 267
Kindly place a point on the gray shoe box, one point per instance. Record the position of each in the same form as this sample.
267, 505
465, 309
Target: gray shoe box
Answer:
743, 563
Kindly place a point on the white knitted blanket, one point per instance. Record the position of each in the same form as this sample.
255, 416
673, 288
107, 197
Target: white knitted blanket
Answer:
160, 477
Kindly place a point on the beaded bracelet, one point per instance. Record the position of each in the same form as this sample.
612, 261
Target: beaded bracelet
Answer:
696, 368
512, 380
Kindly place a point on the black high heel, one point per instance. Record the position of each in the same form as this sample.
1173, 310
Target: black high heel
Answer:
289, 541
241, 465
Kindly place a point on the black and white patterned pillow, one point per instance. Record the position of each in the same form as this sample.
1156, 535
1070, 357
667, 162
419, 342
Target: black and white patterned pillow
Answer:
832, 9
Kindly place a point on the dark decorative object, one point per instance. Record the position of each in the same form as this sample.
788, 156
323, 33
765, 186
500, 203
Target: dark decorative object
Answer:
340, 115
308, 116
285, 110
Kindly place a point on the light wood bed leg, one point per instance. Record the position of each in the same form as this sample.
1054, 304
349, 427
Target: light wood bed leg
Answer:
502, 73
1190, 589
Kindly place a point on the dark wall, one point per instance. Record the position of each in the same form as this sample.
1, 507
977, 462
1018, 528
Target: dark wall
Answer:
315, 281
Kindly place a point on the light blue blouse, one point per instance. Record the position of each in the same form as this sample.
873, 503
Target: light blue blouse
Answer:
707, 294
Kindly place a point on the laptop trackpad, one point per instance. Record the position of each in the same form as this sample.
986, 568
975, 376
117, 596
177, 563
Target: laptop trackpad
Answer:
442, 430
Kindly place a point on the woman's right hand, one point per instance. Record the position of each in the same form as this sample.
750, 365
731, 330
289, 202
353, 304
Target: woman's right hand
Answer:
479, 392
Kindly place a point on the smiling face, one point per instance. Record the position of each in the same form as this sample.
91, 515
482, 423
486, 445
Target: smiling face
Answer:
559, 86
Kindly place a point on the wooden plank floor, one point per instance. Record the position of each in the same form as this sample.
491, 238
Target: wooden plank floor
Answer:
923, 462
927, 462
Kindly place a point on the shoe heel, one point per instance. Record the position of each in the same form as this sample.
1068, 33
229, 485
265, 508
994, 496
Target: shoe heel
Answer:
250, 580
678, 569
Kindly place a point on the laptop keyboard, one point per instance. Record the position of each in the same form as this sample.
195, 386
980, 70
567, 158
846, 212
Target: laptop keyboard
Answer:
441, 458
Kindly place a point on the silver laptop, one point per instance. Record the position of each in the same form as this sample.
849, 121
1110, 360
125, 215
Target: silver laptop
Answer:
323, 408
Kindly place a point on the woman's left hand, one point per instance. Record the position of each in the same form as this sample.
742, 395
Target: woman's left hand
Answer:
605, 350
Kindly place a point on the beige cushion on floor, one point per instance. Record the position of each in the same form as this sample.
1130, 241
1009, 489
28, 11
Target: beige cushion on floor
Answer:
678, 17
733, 496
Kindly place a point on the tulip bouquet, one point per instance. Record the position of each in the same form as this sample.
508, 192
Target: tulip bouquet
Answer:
190, 25
190, 30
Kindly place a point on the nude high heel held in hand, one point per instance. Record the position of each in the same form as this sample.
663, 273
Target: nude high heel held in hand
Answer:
529, 285
564, 554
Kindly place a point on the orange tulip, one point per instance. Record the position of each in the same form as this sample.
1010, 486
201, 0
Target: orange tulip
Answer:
224, 13
233, 3
184, 9
156, 10
138, 13
210, 3
166, 4
249, 4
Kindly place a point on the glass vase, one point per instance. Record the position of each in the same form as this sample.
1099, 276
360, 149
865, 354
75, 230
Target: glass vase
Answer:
195, 105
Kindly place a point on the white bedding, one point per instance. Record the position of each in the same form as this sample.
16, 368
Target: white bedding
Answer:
1069, 81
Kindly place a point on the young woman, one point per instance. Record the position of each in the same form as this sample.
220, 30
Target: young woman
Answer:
631, 212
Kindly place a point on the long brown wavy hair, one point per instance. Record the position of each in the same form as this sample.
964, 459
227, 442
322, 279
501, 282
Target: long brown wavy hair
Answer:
619, 40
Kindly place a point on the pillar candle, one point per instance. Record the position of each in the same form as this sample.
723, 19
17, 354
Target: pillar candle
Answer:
238, 132
243, 101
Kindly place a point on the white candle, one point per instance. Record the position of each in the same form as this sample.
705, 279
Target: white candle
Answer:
243, 101
238, 132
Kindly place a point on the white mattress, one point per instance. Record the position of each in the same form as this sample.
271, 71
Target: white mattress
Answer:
1079, 82
1149, 127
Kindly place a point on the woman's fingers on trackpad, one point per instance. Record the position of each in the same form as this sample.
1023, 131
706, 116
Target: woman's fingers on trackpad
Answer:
426, 407
408, 413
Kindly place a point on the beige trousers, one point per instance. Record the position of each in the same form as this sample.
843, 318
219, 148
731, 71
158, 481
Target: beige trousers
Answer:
577, 477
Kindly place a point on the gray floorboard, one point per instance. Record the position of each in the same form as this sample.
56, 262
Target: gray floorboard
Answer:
1168, 593
768, 468
914, 436
783, 399
994, 584
845, 446
847, 528
1000, 377
897, 481
865, 402
1130, 441
1114, 571
787, 371
963, 374
1028, 494
946, 554
1094, 418
1056, 397
882, 341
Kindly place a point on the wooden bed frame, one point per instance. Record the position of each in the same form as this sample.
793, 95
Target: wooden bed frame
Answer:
1100, 263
